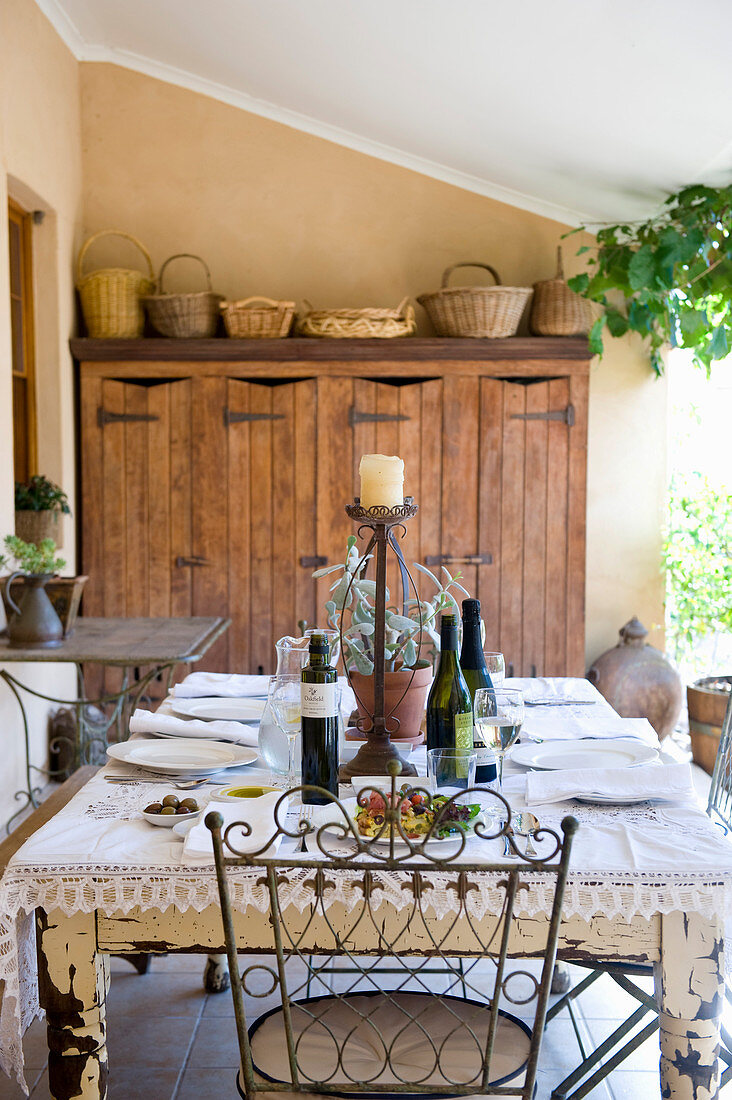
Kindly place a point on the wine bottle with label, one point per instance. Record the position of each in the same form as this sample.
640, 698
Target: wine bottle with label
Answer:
319, 710
472, 663
449, 706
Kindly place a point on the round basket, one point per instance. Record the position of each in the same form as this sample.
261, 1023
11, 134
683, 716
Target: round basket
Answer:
266, 321
34, 527
339, 324
183, 316
110, 296
482, 311
558, 311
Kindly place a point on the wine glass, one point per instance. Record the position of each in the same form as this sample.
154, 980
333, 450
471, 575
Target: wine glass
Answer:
496, 666
499, 715
284, 698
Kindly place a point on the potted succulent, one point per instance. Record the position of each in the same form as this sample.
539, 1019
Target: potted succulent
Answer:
39, 503
351, 607
32, 621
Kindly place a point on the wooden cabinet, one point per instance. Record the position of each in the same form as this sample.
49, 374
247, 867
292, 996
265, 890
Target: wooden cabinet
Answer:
214, 476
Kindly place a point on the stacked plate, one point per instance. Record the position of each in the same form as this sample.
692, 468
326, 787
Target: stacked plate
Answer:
189, 756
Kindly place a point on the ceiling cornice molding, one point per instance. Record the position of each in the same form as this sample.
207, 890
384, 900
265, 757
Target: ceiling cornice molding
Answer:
169, 74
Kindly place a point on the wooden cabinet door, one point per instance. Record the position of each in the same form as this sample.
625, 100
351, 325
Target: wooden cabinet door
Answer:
531, 519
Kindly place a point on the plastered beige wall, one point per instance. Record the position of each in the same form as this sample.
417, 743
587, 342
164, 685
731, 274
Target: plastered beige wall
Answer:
40, 167
281, 213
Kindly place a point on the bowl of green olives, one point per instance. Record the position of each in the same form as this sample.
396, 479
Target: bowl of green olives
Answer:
170, 810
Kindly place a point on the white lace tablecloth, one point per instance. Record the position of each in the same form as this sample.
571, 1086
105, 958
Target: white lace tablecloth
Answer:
98, 854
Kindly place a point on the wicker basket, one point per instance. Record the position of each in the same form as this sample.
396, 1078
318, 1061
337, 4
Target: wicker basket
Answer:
110, 297
339, 324
183, 316
483, 311
266, 321
558, 311
34, 527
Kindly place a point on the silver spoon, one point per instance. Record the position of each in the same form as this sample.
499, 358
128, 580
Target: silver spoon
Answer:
526, 824
183, 785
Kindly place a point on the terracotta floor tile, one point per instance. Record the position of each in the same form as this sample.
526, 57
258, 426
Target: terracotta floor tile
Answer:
159, 992
149, 1042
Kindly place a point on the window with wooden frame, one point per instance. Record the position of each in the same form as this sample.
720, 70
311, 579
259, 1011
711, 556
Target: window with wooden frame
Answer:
21, 312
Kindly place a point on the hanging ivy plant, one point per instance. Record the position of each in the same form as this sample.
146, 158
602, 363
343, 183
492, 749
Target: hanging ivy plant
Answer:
674, 273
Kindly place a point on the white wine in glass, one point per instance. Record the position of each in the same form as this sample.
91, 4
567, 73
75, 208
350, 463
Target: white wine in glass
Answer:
499, 715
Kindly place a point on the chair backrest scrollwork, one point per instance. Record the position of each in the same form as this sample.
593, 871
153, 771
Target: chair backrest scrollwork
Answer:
390, 906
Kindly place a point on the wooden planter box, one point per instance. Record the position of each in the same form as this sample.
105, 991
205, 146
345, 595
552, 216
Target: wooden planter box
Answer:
707, 708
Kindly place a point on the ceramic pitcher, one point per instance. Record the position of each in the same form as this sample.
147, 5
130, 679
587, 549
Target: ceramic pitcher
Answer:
34, 623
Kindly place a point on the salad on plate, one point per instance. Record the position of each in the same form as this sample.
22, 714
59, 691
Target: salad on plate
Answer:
418, 814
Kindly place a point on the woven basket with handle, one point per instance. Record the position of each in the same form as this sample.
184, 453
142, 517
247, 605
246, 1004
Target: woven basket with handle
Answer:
110, 296
556, 310
258, 318
482, 311
184, 316
339, 324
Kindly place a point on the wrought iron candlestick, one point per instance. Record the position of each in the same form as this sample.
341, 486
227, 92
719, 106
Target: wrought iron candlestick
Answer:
374, 755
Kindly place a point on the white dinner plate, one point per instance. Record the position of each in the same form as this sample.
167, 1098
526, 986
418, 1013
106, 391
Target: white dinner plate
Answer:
182, 756
605, 753
212, 708
330, 815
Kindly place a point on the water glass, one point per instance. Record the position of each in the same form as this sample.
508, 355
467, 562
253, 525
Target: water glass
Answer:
498, 716
284, 699
496, 666
451, 768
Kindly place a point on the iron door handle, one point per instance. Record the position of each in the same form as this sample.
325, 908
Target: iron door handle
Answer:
182, 563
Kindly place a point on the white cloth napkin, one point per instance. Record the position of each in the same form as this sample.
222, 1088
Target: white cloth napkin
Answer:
145, 721
223, 684
554, 688
257, 812
671, 782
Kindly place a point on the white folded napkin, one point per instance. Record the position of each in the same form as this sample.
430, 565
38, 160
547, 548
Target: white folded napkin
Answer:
256, 812
672, 783
226, 685
144, 721
554, 688
584, 723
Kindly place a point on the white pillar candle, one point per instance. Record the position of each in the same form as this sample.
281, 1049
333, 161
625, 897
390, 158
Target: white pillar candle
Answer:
382, 480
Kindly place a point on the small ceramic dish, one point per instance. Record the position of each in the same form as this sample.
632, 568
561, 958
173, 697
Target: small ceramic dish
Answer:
240, 792
167, 821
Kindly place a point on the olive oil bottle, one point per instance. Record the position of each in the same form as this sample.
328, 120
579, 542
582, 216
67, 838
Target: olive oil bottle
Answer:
472, 663
449, 706
319, 721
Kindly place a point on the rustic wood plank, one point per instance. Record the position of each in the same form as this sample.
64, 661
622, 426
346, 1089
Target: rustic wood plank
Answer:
576, 528
512, 528
555, 630
240, 493
460, 435
92, 496
285, 551
387, 443
158, 512
410, 449
113, 510
210, 513
430, 489
515, 349
334, 473
306, 532
489, 508
181, 504
261, 538
535, 538
50, 806
137, 495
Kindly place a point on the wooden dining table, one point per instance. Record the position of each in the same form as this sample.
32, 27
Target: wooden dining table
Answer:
135, 894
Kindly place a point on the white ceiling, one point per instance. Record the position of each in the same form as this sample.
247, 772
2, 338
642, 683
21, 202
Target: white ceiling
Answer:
576, 109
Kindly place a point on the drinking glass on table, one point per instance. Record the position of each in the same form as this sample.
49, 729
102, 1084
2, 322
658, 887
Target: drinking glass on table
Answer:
496, 667
451, 768
284, 698
498, 715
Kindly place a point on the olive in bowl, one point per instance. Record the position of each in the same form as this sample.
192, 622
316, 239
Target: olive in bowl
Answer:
170, 811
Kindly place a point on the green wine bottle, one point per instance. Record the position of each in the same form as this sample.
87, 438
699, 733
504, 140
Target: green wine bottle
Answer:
319, 721
472, 663
449, 706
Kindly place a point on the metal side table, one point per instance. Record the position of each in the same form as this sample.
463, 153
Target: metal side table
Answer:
144, 649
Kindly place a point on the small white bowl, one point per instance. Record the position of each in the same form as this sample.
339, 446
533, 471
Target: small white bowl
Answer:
167, 821
241, 792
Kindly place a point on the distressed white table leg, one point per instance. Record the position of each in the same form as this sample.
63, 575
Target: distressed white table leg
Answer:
72, 983
690, 991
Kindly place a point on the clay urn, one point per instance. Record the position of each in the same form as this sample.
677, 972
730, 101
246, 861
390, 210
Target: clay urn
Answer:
638, 680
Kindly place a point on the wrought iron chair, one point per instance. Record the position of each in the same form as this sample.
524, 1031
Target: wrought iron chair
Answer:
616, 1047
405, 1040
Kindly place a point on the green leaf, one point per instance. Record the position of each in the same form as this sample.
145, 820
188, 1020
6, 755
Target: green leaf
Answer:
719, 344
641, 268
325, 571
400, 623
595, 337
581, 251
617, 324
579, 283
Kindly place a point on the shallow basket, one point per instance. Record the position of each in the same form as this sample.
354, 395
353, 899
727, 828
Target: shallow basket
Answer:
339, 324
558, 311
477, 311
111, 296
183, 316
266, 321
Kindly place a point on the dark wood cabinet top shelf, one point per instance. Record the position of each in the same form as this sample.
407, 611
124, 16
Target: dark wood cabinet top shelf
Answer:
311, 350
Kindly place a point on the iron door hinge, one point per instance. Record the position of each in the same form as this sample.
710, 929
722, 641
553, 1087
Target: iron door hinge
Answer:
466, 559
246, 418
315, 561
565, 415
355, 416
182, 563
106, 417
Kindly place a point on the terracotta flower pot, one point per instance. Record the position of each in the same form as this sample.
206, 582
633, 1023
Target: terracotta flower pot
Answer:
410, 710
